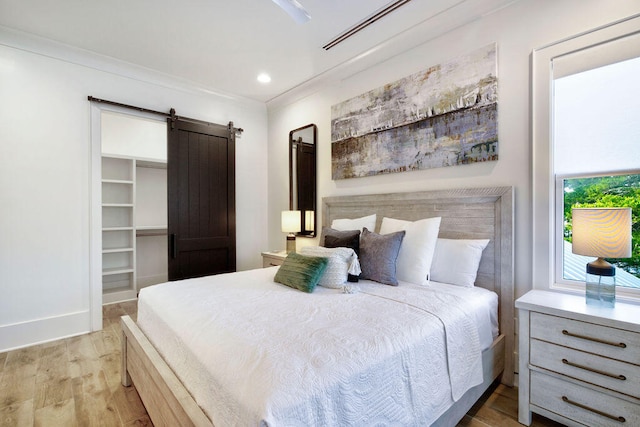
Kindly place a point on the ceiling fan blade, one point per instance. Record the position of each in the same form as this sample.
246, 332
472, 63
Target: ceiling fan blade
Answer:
294, 10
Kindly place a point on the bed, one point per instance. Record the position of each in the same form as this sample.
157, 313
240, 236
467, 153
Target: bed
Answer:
484, 213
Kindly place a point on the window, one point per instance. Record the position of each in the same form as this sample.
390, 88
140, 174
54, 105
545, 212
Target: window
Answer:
596, 131
586, 146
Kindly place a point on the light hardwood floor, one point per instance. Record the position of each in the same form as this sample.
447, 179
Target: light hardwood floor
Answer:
76, 382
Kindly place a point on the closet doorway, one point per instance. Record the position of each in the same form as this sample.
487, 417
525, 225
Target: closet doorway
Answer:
134, 204
162, 202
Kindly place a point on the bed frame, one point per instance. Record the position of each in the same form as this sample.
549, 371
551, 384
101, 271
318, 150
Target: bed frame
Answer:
477, 213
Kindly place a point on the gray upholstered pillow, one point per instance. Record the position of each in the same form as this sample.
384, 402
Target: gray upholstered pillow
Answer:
378, 255
340, 239
301, 272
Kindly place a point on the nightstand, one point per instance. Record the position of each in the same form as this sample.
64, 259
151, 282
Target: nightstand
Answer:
270, 259
579, 364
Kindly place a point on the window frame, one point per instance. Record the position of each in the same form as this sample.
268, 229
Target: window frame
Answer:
547, 199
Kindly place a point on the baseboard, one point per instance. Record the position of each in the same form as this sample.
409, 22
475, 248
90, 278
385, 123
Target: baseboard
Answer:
151, 280
26, 334
119, 296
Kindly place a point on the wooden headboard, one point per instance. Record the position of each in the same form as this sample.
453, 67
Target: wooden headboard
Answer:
469, 213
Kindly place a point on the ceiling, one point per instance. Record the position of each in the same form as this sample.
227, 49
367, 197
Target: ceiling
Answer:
223, 45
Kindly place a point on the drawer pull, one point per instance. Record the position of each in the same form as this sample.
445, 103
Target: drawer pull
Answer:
586, 368
584, 337
595, 411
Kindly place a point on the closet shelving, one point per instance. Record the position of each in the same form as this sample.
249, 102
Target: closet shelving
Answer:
121, 224
118, 238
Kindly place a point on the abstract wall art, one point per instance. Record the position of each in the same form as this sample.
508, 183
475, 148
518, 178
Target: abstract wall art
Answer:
445, 115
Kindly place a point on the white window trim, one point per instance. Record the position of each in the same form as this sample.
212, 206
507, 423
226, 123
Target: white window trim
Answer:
545, 196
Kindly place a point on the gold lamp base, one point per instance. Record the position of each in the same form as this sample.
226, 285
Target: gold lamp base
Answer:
291, 243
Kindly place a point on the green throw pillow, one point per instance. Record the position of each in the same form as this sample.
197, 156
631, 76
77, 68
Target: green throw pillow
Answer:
301, 272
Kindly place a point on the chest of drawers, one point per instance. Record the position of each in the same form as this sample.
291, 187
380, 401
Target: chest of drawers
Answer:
271, 259
578, 364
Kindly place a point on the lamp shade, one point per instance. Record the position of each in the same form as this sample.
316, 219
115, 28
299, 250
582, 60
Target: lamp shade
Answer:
602, 232
291, 221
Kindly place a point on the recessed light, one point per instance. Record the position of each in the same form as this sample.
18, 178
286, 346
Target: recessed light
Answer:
264, 78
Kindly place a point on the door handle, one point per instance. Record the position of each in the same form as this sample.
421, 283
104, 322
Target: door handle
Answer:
173, 245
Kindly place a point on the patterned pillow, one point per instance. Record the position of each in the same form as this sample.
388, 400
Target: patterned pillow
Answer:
341, 262
301, 272
378, 256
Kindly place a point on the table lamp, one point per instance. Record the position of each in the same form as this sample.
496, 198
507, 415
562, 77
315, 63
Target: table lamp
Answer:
602, 233
291, 224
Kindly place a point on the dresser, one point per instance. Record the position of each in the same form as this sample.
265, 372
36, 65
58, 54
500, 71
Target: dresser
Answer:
578, 364
270, 259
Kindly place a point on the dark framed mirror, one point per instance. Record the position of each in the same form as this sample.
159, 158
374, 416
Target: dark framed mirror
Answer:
302, 177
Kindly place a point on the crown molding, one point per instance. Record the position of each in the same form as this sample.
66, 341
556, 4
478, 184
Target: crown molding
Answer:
42, 46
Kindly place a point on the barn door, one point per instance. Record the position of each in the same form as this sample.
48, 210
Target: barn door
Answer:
201, 198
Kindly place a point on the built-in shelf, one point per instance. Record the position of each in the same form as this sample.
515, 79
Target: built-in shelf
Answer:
116, 250
155, 164
151, 227
151, 230
118, 289
117, 181
133, 192
118, 237
117, 270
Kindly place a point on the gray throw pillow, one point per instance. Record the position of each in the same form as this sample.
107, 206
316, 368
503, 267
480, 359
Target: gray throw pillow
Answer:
378, 255
332, 238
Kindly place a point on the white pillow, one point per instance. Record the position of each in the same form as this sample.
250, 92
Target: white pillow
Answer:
342, 262
355, 224
416, 253
456, 261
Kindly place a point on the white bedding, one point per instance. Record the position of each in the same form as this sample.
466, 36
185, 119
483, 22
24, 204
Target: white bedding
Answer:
254, 352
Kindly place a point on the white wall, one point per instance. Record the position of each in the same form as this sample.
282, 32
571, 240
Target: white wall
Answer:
518, 29
45, 176
133, 136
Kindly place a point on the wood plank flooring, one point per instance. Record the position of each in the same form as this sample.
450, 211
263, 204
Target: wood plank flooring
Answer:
71, 382
76, 382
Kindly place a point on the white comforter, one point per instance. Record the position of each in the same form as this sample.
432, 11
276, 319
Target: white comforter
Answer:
253, 352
